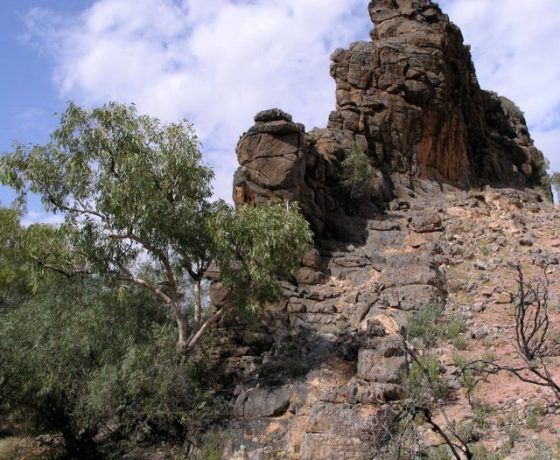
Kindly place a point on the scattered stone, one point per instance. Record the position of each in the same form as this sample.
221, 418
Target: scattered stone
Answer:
503, 297
481, 265
480, 333
527, 241
427, 221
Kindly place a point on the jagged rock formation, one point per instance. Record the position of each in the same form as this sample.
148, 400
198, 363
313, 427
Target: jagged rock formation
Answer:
410, 100
318, 374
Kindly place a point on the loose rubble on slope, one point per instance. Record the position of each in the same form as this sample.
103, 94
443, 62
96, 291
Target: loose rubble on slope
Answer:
319, 375
325, 386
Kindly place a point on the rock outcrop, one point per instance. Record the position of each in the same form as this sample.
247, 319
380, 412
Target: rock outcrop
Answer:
317, 377
410, 100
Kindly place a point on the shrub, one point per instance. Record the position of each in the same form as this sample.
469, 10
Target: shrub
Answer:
535, 411
82, 353
426, 324
482, 412
512, 428
424, 380
422, 323
452, 327
356, 174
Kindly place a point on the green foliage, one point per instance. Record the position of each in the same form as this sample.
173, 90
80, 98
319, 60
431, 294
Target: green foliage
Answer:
421, 323
14, 283
460, 342
133, 189
78, 351
130, 188
426, 323
535, 412
482, 413
468, 376
211, 448
112, 170
438, 453
356, 174
542, 451
256, 246
424, 381
542, 180
513, 428
81, 352
452, 327
482, 453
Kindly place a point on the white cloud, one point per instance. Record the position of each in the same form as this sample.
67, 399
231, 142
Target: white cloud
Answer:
218, 62
516, 50
34, 217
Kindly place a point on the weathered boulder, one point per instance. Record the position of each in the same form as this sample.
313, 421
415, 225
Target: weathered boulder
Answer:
264, 402
277, 163
376, 368
411, 101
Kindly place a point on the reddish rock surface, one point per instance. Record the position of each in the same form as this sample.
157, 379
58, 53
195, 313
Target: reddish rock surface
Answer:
411, 101
321, 377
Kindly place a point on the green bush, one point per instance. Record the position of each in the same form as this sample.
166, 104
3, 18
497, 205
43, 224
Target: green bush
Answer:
512, 428
482, 413
424, 380
356, 174
535, 412
482, 453
421, 324
84, 353
452, 327
426, 323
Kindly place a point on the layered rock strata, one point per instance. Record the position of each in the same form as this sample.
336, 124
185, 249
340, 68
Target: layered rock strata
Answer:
410, 100
318, 374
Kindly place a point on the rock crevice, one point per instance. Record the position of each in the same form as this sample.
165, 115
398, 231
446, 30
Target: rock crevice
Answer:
319, 377
411, 101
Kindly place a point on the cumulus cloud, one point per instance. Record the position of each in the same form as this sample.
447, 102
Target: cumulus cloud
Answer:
216, 63
219, 62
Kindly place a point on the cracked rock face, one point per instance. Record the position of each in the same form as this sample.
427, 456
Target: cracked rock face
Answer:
318, 378
411, 101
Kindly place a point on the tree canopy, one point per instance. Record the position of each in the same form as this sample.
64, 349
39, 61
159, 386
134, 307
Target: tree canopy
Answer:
77, 352
134, 190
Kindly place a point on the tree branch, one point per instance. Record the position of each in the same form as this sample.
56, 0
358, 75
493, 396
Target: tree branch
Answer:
209, 322
130, 278
67, 274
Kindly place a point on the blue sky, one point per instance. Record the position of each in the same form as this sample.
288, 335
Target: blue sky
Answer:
218, 62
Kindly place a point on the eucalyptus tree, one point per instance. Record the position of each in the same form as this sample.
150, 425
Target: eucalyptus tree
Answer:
14, 282
134, 190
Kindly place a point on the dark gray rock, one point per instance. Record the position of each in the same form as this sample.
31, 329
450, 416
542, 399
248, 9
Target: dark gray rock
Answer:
272, 115
376, 368
426, 221
263, 402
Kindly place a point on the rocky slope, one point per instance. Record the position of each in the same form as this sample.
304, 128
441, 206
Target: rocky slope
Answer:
446, 210
326, 384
